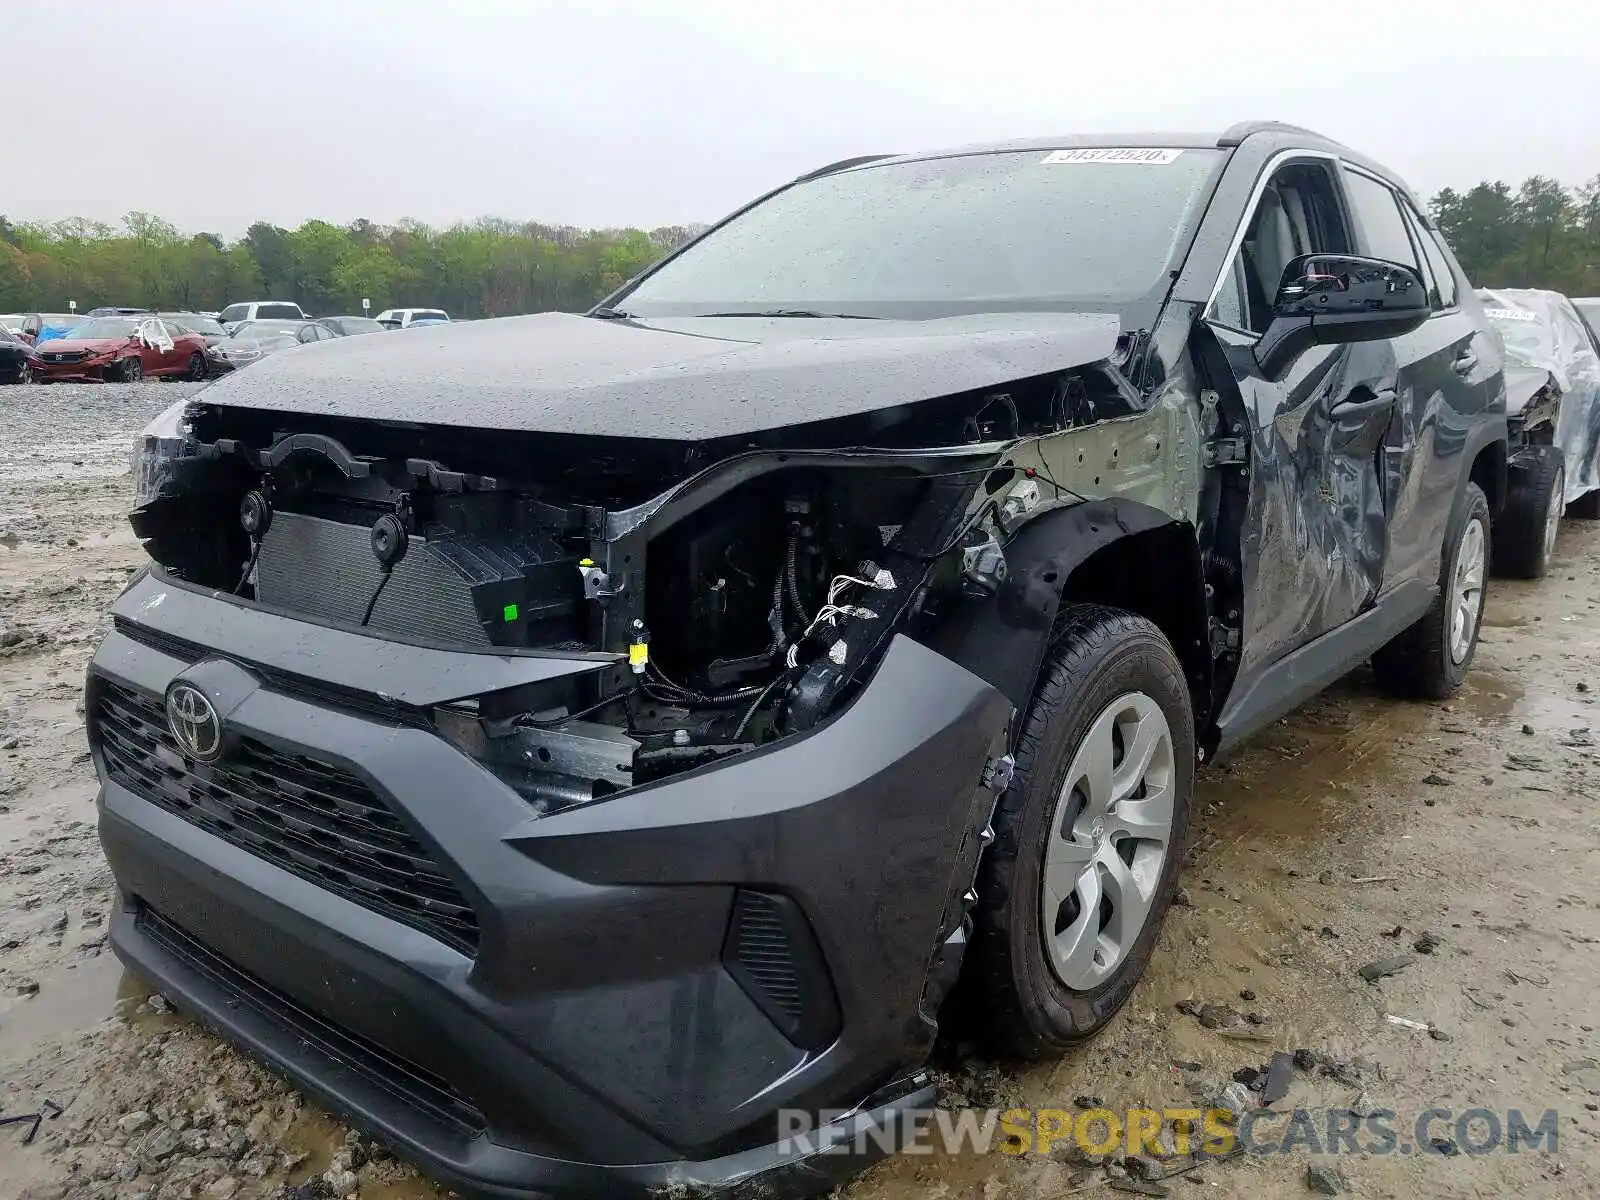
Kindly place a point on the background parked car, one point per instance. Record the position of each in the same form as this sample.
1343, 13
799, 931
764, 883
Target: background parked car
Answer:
12, 321
404, 318
41, 327
112, 310
121, 349
349, 326
259, 310
1553, 410
207, 327
15, 358
254, 340
1588, 308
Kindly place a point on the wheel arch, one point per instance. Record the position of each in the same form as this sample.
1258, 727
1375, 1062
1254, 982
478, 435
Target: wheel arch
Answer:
1118, 553
1488, 468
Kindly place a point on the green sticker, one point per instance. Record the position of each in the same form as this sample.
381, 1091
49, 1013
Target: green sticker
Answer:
510, 612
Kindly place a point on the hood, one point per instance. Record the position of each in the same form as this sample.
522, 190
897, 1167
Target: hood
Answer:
92, 345
685, 379
1522, 384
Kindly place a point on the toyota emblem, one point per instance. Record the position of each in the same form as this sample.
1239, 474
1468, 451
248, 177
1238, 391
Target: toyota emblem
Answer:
194, 722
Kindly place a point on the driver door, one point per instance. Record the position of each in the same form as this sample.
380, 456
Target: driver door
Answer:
1315, 535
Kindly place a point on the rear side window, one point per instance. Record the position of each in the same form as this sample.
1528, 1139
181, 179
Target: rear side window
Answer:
278, 312
1378, 214
1440, 262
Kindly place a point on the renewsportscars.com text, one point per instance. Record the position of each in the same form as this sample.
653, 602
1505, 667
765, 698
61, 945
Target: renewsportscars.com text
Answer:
1212, 1131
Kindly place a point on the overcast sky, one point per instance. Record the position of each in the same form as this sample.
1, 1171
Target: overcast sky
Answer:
214, 113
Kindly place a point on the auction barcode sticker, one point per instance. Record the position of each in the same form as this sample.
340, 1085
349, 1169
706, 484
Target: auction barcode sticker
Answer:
1137, 155
1509, 314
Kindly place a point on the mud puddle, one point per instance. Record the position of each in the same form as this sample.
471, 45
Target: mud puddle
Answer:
1333, 839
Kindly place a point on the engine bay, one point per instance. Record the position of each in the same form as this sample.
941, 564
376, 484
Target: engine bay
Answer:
728, 595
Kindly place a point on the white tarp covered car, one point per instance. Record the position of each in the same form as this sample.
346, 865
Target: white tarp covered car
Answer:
1553, 401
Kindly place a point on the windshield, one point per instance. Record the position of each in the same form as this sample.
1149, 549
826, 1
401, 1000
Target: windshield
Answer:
102, 327
250, 338
195, 323
266, 329
1031, 229
353, 325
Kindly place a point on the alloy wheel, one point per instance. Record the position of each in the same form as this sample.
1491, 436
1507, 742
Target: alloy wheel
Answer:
1109, 836
1466, 589
1552, 516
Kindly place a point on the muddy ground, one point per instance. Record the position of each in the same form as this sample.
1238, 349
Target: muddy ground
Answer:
1337, 838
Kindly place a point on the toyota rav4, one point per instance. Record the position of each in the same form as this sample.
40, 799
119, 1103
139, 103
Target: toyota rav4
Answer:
563, 743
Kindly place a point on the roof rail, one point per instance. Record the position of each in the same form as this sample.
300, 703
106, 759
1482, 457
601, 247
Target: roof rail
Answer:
1235, 134
844, 164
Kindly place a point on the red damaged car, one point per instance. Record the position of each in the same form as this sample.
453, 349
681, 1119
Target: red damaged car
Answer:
121, 349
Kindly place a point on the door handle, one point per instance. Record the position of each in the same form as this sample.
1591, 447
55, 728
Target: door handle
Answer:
1371, 406
1465, 362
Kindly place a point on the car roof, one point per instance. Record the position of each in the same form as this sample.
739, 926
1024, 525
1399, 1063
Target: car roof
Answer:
1289, 137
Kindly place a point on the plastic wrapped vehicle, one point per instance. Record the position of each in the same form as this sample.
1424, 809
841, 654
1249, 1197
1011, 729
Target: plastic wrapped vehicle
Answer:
1553, 409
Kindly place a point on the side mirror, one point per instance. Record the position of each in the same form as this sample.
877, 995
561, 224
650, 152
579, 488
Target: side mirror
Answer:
1334, 299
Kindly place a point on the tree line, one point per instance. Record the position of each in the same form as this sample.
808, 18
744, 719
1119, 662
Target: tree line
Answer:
1541, 234
488, 268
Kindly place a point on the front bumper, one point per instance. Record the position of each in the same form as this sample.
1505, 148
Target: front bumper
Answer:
92, 370
608, 1033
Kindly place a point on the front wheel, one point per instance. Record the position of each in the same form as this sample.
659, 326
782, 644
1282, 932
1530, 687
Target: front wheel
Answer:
1089, 837
1429, 660
131, 370
197, 366
1525, 534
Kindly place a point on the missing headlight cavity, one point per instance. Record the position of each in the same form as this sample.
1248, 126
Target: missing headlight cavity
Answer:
729, 592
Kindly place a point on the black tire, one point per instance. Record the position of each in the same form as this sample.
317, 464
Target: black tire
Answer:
1536, 493
1418, 663
130, 370
1097, 655
197, 366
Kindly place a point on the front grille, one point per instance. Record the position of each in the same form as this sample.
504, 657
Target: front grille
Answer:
424, 1091
64, 356
309, 817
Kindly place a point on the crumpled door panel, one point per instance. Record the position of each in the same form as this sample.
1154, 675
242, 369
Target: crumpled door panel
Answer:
1316, 532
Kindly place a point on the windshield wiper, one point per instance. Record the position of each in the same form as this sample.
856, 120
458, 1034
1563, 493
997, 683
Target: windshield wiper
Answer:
793, 312
611, 314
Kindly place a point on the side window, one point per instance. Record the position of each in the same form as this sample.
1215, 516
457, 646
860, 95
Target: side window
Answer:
234, 312
1443, 274
1377, 212
1435, 271
1298, 213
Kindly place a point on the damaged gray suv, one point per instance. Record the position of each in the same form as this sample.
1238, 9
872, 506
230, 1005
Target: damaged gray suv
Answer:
567, 745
